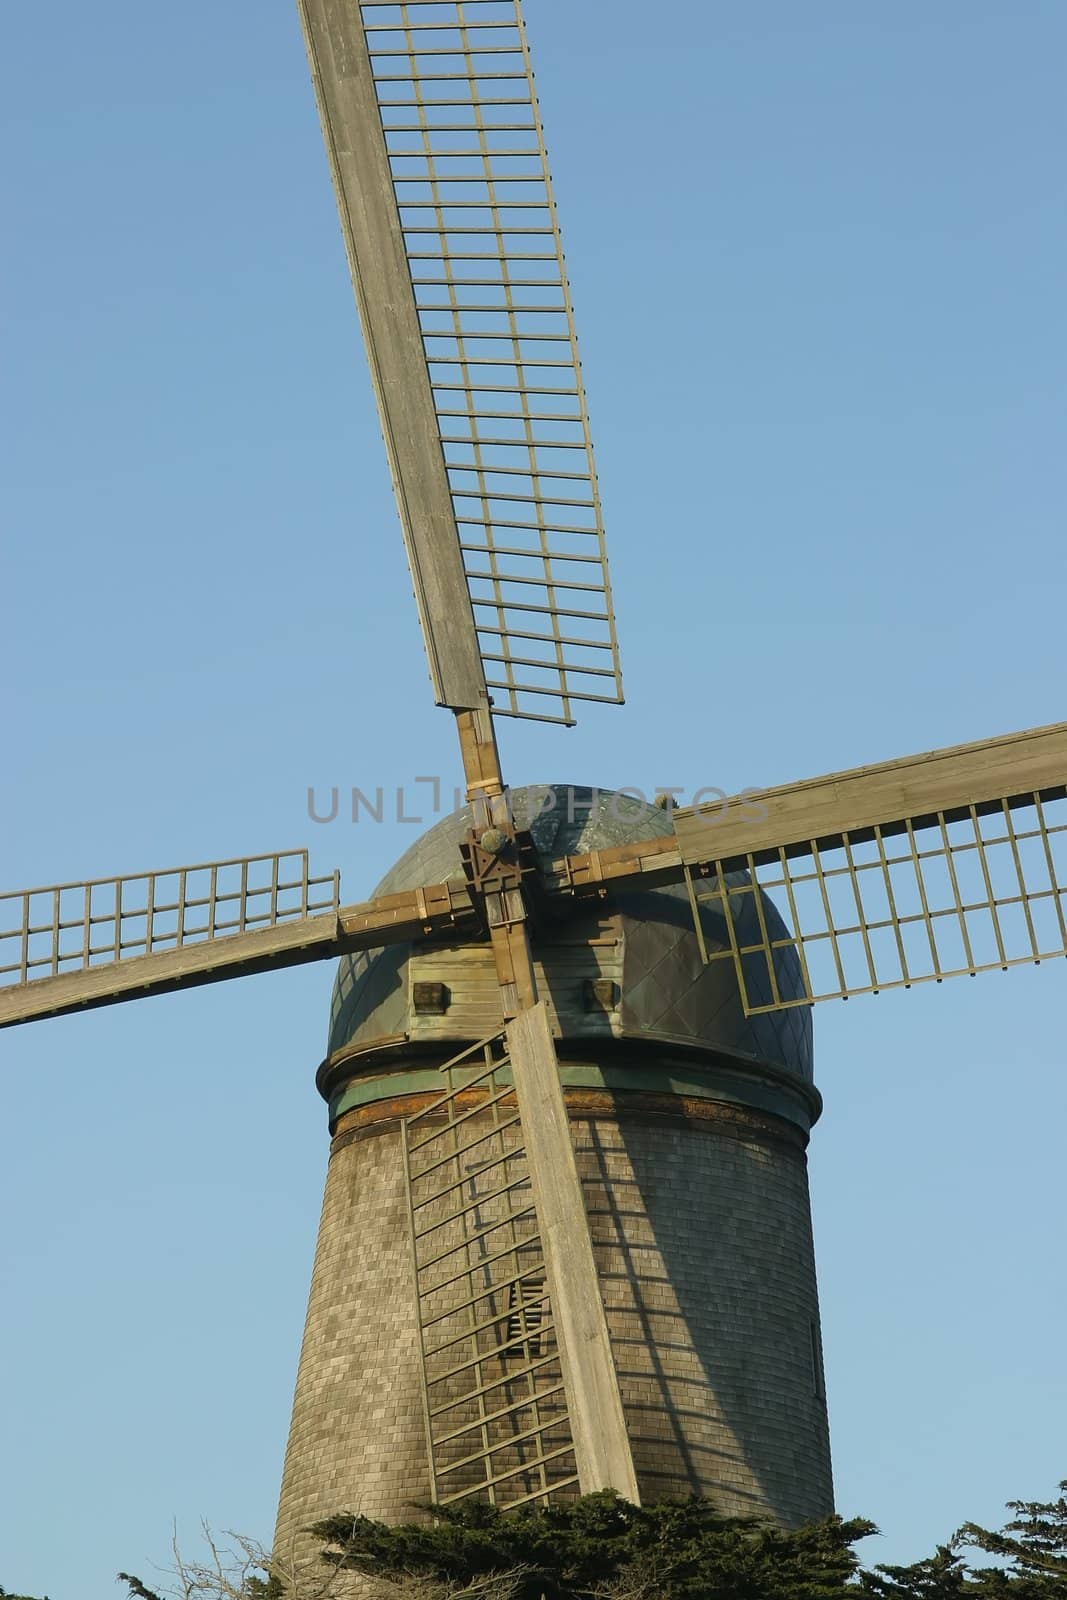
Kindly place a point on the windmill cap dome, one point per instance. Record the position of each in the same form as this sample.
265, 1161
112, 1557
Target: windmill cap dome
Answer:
665, 992
561, 819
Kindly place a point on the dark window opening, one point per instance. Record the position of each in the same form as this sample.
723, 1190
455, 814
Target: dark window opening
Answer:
818, 1387
526, 1314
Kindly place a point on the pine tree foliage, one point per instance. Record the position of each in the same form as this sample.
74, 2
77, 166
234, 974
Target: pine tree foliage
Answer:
136, 1587
601, 1547
1033, 1545
1031, 1551
941, 1576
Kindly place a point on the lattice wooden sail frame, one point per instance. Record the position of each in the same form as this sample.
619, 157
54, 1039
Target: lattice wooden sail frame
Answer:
462, 180
494, 1403
66, 928
75, 946
904, 903
964, 879
950, 862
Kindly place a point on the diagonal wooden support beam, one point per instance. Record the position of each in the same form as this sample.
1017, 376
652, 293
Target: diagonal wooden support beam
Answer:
598, 1425
915, 788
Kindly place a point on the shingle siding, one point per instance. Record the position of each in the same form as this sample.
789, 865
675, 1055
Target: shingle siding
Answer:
702, 1231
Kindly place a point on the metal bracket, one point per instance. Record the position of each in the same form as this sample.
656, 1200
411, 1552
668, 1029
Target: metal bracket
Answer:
500, 865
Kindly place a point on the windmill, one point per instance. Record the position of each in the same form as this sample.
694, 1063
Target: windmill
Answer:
477, 379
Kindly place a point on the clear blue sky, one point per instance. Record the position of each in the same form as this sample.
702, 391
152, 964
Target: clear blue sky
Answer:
818, 256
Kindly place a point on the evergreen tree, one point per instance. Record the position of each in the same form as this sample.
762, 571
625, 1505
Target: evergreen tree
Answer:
941, 1576
1034, 1546
136, 1587
1032, 1550
602, 1545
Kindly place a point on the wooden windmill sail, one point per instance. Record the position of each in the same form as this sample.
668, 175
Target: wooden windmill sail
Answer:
916, 869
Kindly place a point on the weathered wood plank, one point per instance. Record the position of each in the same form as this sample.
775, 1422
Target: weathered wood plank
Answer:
411, 914
948, 781
791, 815
468, 972
646, 864
287, 944
594, 1404
370, 221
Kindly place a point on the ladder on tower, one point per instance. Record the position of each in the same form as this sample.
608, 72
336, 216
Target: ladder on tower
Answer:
494, 1405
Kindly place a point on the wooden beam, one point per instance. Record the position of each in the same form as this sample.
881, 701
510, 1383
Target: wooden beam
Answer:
481, 766
645, 864
916, 789
411, 914
504, 905
791, 815
594, 1404
374, 241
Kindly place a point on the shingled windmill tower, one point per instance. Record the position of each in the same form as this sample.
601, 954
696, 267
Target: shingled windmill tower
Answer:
690, 1123
565, 1242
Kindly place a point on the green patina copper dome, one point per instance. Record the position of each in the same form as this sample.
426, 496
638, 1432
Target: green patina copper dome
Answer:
665, 993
